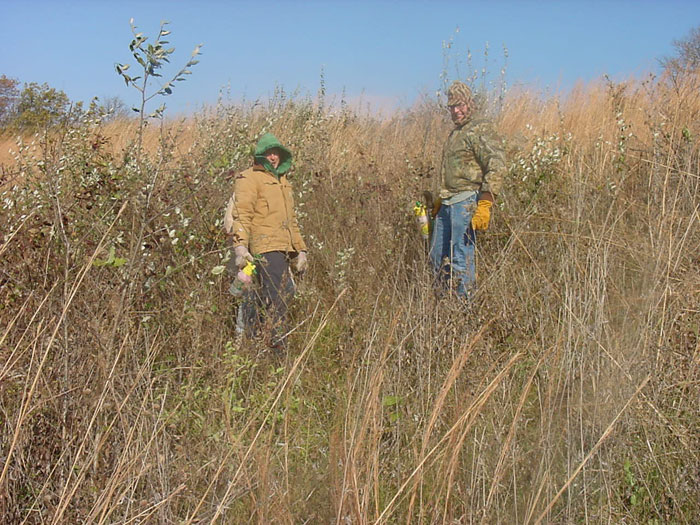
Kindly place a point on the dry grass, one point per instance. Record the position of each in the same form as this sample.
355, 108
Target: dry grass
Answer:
566, 393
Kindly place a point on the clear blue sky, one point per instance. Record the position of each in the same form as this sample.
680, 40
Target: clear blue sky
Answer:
385, 52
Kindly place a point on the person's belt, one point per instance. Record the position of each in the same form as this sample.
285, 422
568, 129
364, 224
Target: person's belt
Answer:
459, 197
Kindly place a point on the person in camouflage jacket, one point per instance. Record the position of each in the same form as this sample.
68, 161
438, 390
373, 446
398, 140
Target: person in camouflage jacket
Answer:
471, 175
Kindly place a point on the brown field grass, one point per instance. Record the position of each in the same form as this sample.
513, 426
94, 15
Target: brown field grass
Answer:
566, 392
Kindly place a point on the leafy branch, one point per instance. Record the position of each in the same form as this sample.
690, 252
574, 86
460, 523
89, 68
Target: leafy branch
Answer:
152, 58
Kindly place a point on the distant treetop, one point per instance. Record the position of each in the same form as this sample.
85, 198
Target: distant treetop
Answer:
687, 53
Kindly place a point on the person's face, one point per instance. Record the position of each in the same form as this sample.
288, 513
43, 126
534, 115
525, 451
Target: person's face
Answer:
459, 112
273, 157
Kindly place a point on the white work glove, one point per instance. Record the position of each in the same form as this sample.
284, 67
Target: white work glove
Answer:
299, 263
242, 256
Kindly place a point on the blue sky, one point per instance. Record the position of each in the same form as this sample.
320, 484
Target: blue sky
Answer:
386, 53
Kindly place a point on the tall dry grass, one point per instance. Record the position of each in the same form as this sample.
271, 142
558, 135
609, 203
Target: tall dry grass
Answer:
567, 392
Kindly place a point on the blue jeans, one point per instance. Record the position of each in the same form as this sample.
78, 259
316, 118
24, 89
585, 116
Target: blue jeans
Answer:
453, 246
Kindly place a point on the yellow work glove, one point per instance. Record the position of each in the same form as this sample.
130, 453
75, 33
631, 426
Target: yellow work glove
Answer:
482, 215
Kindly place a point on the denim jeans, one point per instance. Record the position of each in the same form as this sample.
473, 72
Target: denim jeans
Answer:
453, 246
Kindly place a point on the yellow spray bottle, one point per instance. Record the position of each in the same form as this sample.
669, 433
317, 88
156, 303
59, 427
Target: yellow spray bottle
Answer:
243, 279
421, 214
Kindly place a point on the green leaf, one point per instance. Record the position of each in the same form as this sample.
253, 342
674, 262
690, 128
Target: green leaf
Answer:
390, 401
111, 259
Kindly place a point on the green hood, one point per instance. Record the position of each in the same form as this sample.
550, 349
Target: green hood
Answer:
269, 141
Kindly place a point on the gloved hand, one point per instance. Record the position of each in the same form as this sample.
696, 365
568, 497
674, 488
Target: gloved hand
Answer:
299, 263
482, 215
242, 256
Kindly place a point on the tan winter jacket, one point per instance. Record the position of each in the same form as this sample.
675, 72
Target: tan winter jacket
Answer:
260, 214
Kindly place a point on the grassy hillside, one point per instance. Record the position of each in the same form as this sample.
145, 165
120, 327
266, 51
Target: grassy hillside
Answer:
566, 393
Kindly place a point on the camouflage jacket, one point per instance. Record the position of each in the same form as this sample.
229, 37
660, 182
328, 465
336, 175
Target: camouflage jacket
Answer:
472, 159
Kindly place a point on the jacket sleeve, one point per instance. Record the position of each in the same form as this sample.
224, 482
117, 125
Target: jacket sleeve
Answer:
297, 239
228, 214
242, 209
488, 152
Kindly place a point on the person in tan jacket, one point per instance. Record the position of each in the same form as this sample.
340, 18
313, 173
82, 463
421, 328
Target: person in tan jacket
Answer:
262, 222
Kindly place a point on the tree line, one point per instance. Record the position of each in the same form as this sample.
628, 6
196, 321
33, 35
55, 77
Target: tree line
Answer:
33, 106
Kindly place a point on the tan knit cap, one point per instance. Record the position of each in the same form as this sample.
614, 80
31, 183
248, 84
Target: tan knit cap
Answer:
459, 93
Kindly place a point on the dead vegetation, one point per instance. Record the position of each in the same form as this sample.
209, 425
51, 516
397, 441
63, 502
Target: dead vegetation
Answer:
566, 393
